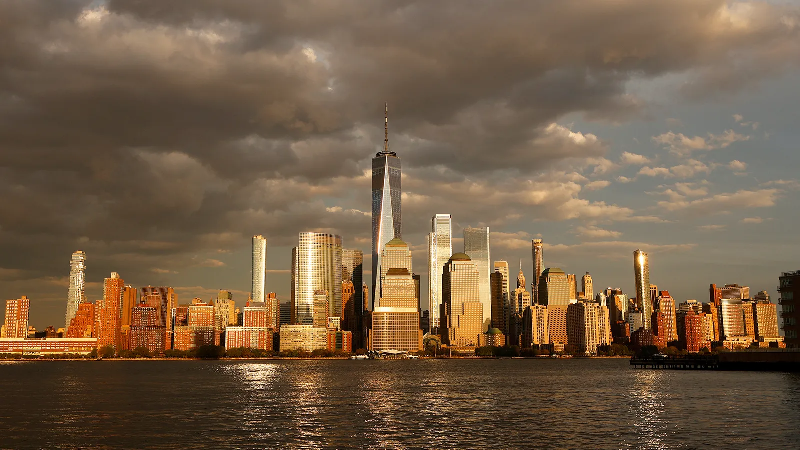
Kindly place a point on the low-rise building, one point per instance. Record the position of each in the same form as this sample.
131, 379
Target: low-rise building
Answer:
303, 337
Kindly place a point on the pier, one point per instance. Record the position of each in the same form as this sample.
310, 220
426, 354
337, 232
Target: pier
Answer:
784, 360
694, 362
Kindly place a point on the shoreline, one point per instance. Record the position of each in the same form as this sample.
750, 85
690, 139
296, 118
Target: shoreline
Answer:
280, 358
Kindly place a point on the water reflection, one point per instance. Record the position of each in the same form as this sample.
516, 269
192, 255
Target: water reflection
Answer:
647, 394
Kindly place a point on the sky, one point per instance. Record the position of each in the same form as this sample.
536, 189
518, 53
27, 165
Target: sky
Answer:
158, 137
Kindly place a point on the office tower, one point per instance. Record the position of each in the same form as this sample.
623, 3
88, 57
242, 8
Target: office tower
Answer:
395, 323
573, 286
77, 282
731, 318
641, 271
317, 267
303, 338
286, 313
386, 194
108, 325
417, 283
348, 314
749, 318
554, 287
16, 319
557, 326
462, 312
353, 272
534, 327
440, 248
666, 329
320, 309
396, 255
762, 296
476, 245
258, 272
520, 297
586, 286
82, 325
538, 267
499, 301
503, 268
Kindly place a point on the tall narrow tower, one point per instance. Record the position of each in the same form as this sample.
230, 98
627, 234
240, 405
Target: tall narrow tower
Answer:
641, 270
476, 245
538, 267
258, 291
77, 282
440, 249
386, 222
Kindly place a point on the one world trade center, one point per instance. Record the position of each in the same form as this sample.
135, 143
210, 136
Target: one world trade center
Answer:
385, 206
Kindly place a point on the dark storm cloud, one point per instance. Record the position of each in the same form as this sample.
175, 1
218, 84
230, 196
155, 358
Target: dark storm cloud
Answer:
145, 132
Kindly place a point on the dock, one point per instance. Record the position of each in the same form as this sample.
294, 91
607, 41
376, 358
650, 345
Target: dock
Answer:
783, 360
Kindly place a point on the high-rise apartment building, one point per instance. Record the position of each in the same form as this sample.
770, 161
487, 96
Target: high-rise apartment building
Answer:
538, 267
586, 286
108, 325
666, 328
554, 287
732, 291
766, 315
151, 322
224, 310
584, 331
476, 245
77, 283
82, 325
16, 318
440, 248
317, 266
499, 301
462, 312
258, 290
535, 332
694, 337
641, 272
386, 195
789, 290
130, 298
520, 297
731, 318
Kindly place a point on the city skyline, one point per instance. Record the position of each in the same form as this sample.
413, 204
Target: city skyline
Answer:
599, 151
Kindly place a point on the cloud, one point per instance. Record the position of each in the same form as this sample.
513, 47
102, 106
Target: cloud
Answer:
716, 227
595, 185
688, 169
682, 145
737, 166
628, 158
614, 249
753, 220
740, 120
720, 203
594, 232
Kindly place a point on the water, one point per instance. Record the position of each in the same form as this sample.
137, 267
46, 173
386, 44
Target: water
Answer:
577, 403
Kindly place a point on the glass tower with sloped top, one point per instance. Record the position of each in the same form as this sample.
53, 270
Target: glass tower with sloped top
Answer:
386, 222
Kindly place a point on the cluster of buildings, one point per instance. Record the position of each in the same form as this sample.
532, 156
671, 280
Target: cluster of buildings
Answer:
471, 302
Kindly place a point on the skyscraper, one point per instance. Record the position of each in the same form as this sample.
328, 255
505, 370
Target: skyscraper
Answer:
462, 313
353, 270
538, 267
395, 255
573, 286
317, 266
641, 270
259, 269
554, 287
386, 218
108, 314
586, 286
501, 296
440, 248
77, 281
395, 322
16, 319
476, 245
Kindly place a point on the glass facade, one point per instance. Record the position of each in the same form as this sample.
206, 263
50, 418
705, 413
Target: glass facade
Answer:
386, 220
476, 245
316, 266
440, 248
641, 271
77, 282
258, 291
554, 288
